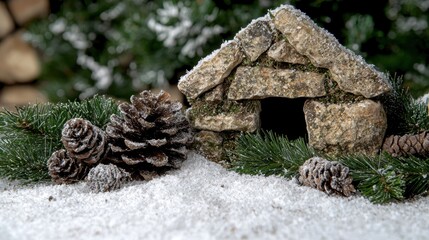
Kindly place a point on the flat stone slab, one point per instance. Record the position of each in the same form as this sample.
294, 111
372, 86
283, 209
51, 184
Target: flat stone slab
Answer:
247, 122
211, 71
256, 38
284, 52
350, 71
345, 128
263, 82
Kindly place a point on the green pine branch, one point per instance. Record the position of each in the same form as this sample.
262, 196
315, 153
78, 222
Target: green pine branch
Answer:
30, 135
376, 178
405, 115
266, 153
381, 178
416, 172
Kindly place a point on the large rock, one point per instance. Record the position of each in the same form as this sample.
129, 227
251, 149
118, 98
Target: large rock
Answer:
345, 128
26, 10
211, 71
19, 63
256, 38
282, 51
19, 95
350, 71
263, 82
6, 23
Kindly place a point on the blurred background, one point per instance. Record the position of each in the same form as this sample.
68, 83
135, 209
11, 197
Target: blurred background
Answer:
73, 49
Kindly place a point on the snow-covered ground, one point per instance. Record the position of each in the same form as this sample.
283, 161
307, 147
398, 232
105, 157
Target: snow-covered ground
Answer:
203, 201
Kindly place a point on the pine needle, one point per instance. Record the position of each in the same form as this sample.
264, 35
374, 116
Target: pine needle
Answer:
266, 153
416, 173
376, 177
405, 115
30, 135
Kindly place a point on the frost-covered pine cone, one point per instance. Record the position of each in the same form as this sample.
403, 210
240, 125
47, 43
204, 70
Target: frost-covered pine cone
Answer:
83, 141
326, 176
103, 178
150, 133
406, 145
64, 169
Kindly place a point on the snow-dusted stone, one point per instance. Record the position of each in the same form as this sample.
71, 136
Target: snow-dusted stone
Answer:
255, 38
284, 52
209, 144
346, 127
350, 71
211, 71
6, 23
26, 10
263, 82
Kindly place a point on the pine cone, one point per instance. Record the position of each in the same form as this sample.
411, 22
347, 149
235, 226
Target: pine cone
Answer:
83, 141
407, 145
151, 133
64, 169
326, 176
103, 178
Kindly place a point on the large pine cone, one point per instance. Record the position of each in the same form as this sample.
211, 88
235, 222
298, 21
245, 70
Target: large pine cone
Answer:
151, 133
64, 169
407, 145
326, 176
103, 178
83, 141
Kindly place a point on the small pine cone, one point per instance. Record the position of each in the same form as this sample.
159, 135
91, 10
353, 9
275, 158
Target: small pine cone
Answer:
83, 141
406, 145
103, 178
326, 176
151, 133
64, 169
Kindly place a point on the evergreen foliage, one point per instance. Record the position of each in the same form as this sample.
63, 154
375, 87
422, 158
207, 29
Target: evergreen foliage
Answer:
416, 173
376, 177
380, 178
266, 153
405, 115
30, 135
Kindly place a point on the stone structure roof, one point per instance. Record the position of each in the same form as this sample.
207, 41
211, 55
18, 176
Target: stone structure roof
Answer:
283, 54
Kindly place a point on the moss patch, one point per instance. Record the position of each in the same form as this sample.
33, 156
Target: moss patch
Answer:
230, 141
265, 61
335, 95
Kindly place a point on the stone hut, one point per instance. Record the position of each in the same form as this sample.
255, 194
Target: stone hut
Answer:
284, 73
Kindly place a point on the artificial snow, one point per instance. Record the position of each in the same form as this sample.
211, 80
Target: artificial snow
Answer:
203, 201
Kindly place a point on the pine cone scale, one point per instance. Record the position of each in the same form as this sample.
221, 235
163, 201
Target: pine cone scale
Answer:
135, 145
157, 142
158, 159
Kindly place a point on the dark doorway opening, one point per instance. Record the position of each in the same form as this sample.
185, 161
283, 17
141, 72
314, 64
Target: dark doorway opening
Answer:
284, 116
